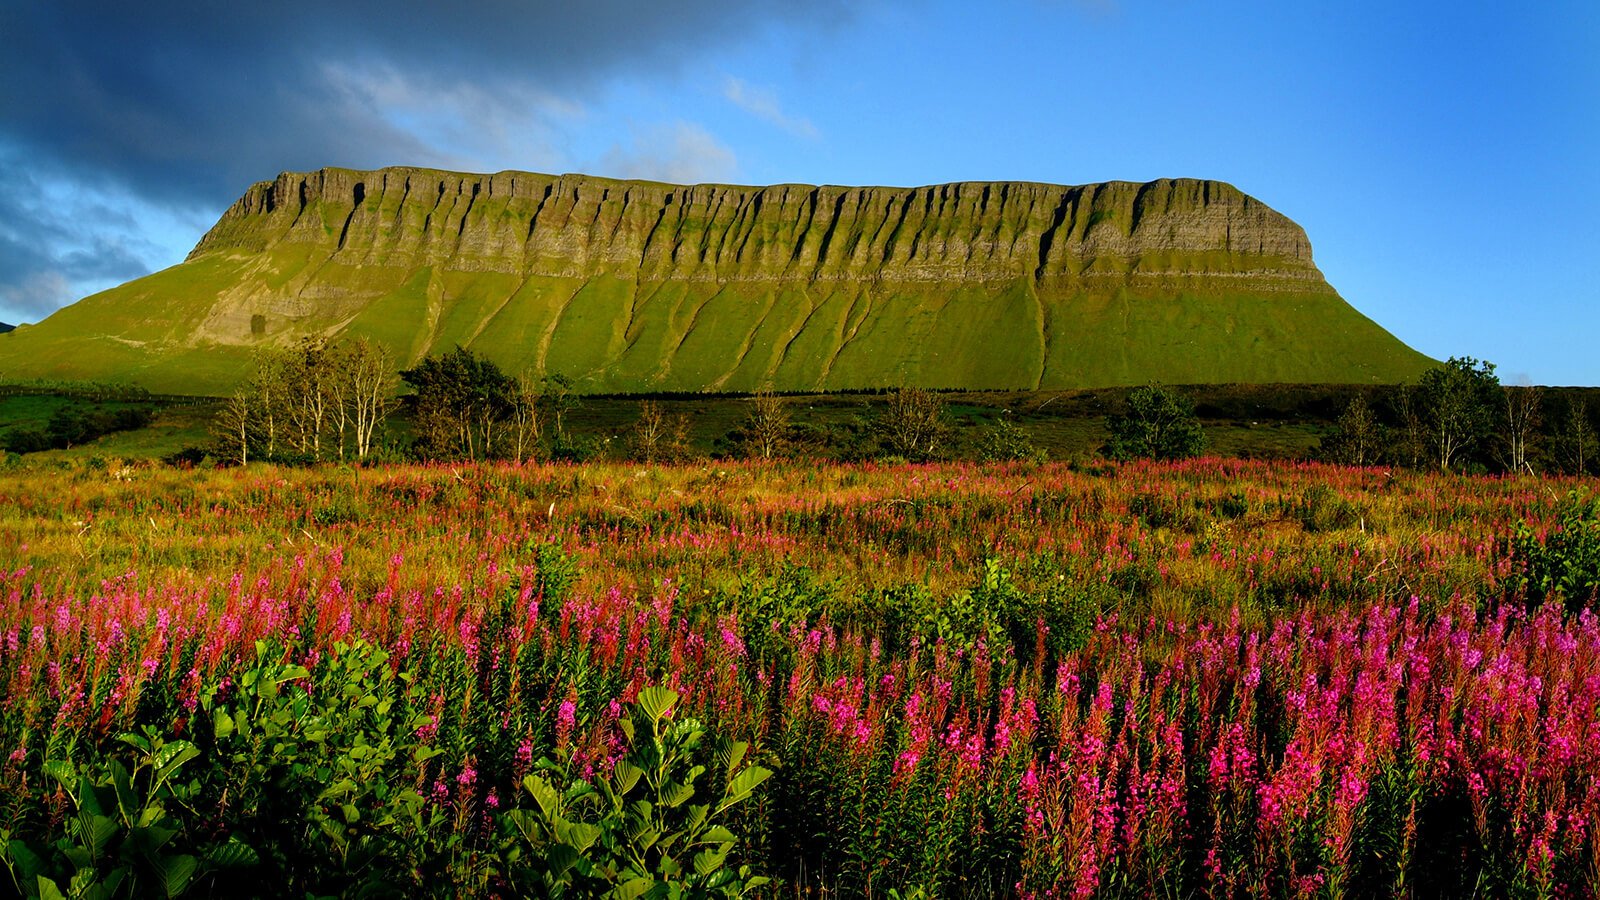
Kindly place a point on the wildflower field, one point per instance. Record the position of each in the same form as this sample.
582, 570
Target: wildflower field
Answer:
1198, 679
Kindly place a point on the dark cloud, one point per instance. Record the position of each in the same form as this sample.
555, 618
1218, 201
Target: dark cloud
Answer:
54, 240
184, 104
195, 100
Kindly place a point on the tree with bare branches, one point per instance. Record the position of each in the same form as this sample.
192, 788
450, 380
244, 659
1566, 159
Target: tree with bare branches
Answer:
914, 424
1523, 416
766, 428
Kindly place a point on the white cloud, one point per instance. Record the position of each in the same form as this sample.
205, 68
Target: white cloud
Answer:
680, 153
460, 123
763, 104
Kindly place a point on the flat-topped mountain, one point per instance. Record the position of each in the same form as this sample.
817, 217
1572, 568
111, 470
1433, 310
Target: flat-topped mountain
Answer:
641, 286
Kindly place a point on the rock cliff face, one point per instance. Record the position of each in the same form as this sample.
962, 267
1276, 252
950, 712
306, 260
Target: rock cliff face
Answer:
638, 286
576, 226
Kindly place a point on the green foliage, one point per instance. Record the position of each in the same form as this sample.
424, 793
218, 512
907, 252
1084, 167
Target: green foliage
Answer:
130, 832
1566, 564
653, 828
1458, 401
1322, 509
462, 402
999, 612
340, 756
1158, 424
556, 574
72, 424
1005, 441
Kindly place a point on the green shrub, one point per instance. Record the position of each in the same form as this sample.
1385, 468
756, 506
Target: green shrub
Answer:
1566, 564
131, 832
1322, 509
651, 829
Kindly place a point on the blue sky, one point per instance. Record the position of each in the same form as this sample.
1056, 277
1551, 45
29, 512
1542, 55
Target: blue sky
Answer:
1443, 158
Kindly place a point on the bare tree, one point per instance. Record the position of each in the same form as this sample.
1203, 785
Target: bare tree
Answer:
657, 435
1576, 442
236, 426
371, 379
1524, 414
766, 429
1408, 445
913, 425
268, 387
527, 424
1355, 442
306, 383
559, 397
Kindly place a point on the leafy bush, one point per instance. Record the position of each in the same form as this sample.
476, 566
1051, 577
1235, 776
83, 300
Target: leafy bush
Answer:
131, 833
639, 832
1156, 425
1005, 441
338, 756
1566, 563
1322, 509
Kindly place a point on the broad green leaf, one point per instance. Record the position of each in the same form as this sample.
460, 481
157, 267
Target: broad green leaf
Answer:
626, 775
730, 754
176, 872
98, 832
675, 795
742, 784
27, 863
657, 702
581, 835
49, 891
221, 723
717, 834
635, 888
62, 771
697, 816
543, 794
708, 861
89, 799
122, 782
170, 758
560, 858
231, 855
150, 838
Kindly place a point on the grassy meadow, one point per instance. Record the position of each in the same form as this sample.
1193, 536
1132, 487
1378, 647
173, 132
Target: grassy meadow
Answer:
1211, 678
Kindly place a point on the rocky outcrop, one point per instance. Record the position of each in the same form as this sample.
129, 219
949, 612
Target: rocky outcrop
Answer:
1172, 230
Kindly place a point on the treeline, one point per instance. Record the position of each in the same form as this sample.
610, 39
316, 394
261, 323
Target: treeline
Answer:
321, 401
1459, 417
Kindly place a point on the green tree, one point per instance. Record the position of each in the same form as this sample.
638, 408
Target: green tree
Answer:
1459, 400
463, 404
1156, 425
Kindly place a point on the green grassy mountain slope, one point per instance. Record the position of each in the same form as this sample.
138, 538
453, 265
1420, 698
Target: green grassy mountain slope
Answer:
640, 286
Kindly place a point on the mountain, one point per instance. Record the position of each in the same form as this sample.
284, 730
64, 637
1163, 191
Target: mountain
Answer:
4, 328
642, 286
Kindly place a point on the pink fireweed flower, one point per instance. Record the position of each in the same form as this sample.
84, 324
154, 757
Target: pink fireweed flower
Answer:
566, 718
